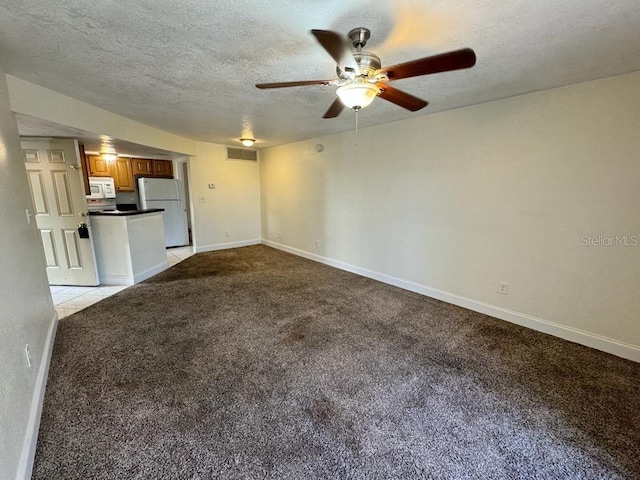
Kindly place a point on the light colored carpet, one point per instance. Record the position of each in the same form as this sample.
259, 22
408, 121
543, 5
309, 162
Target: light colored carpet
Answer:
253, 363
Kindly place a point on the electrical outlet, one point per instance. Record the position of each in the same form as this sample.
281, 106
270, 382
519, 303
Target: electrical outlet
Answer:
227, 233
318, 243
27, 354
200, 199
503, 288
279, 235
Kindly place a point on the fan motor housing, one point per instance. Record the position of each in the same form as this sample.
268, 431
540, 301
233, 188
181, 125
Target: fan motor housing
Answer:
368, 64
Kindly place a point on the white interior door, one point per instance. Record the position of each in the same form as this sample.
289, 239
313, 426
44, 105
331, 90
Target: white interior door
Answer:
60, 205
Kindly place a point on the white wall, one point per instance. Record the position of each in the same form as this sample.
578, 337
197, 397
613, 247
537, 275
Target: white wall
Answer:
450, 204
27, 315
229, 215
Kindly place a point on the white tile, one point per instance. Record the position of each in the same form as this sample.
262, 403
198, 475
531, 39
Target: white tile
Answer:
69, 300
58, 288
65, 312
184, 252
181, 249
59, 298
172, 258
109, 290
83, 301
79, 290
178, 254
93, 297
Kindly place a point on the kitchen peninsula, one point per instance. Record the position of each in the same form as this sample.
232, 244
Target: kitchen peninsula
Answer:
129, 245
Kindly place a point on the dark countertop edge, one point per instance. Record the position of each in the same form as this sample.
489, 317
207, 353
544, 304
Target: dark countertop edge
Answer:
125, 213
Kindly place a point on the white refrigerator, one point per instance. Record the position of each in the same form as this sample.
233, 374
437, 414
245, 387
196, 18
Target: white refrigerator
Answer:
165, 193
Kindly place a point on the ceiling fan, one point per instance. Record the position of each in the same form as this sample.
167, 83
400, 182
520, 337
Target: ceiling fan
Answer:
361, 77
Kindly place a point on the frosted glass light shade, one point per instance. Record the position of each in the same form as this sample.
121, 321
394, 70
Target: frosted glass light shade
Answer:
247, 142
357, 95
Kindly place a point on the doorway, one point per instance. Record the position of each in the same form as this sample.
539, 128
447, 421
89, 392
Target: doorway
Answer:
183, 172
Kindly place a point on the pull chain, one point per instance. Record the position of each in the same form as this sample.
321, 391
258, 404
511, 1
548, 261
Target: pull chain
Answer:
357, 111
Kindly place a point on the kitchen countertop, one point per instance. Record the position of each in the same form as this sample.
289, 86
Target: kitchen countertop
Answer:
125, 213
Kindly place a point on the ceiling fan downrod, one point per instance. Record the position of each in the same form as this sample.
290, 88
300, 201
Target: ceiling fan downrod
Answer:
359, 37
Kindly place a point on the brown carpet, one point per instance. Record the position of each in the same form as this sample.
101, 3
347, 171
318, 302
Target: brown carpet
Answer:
253, 363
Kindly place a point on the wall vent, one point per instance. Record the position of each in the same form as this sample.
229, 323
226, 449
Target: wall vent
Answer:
242, 154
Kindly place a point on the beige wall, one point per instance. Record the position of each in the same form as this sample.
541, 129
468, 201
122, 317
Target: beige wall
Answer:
450, 204
228, 215
27, 310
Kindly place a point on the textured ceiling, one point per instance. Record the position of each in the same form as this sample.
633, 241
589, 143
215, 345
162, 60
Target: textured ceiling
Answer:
189, 66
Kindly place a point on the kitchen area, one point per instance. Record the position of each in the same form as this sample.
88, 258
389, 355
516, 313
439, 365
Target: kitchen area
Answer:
137, 210
106, 220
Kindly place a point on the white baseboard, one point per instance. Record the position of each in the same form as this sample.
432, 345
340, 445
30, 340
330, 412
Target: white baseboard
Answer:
150, 272
25, 464
133, 279
224, 246
116, 280
583, 337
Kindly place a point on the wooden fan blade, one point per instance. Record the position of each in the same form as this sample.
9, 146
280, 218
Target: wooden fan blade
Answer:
400, 98
335, 109
444, 62
338, 48
294, 84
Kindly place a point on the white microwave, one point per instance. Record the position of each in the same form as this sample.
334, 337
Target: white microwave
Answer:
101, 187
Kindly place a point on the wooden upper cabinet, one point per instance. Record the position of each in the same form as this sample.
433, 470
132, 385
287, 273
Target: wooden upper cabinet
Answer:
97, 166
162, 168
142, 167
123, 175
124, 170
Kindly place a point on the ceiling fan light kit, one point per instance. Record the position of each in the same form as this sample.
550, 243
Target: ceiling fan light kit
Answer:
357, 95
361, 76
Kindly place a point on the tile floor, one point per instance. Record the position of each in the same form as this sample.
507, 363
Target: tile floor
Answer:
68, 300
